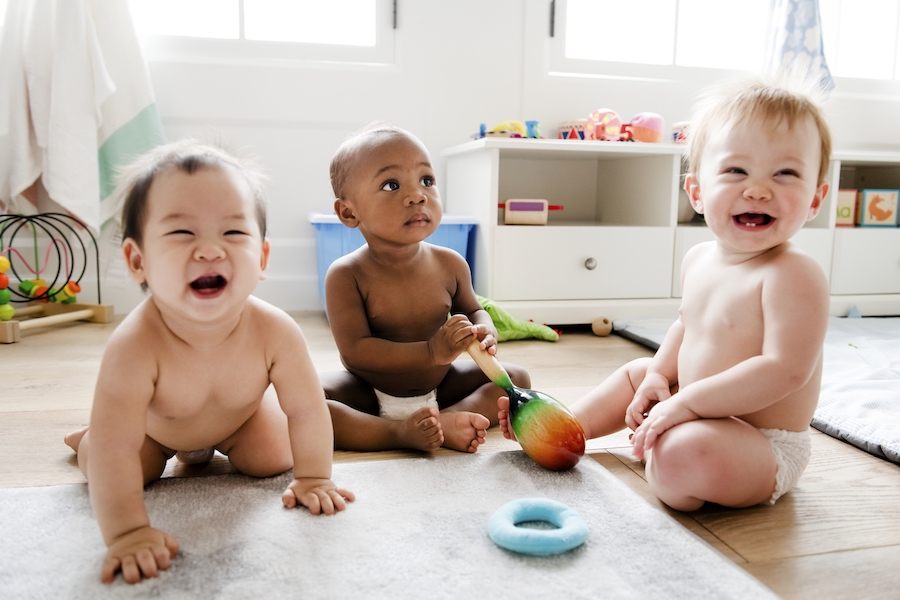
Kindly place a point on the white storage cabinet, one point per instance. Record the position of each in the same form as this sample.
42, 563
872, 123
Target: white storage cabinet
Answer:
615, 249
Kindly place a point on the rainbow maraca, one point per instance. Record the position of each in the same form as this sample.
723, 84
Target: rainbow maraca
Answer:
548, 432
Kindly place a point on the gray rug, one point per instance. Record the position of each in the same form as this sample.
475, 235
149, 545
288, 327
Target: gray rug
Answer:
417, 530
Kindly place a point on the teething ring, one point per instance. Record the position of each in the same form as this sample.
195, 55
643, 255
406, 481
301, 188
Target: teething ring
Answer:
502, 528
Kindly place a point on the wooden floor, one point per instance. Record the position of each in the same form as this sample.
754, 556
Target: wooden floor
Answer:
837, 535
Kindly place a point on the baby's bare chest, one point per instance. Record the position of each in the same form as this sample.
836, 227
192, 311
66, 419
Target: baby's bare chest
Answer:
186, 387
407, 313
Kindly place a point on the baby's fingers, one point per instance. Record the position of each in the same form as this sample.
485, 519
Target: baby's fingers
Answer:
288, 498
637, 442
147, 562
109, 569
130, 571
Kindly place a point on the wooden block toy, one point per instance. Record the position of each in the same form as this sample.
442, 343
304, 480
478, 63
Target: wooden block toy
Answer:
877, 208
53, 314
572, 130
526, 211
846, 208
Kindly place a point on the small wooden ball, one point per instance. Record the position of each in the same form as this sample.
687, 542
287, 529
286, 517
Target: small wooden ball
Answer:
601, 326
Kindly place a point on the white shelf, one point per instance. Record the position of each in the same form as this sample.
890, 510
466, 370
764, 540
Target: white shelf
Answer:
621, 215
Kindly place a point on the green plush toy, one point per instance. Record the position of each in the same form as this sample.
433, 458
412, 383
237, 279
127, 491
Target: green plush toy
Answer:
511, 328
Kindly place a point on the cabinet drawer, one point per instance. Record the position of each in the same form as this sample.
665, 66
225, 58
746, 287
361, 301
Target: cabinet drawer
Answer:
866, 261
548, 263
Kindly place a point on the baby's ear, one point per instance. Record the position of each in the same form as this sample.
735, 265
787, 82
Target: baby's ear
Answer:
264, 259
345, 213
134, 259
818, 199
693, 192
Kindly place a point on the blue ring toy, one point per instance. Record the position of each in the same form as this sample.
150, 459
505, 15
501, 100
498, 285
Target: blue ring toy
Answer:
502, 528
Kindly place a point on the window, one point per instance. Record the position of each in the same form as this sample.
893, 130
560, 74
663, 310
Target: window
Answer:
684, 33
860, 38
358, 31
647, 38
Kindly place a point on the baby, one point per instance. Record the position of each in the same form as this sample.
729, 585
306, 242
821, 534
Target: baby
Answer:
388, 304
194, 365
721, 413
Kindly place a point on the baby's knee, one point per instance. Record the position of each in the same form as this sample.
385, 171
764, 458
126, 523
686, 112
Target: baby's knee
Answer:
518, 375
678, 454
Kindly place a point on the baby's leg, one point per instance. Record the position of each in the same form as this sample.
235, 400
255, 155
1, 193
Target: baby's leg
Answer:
261, 447
725, 461
153, 454
602, 411
357, 426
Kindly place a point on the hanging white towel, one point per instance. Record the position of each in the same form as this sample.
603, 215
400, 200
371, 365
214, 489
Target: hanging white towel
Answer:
795, 42
79, 79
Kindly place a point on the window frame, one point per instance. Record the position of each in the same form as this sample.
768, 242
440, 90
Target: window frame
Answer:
562, 66
558, 65
170, 48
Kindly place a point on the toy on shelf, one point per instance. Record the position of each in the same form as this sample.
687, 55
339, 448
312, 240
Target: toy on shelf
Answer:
877, 208
572, 130
680, 132
846, 208
646, 127
548, 432
510, 129
526, 211
603, 124
52, 302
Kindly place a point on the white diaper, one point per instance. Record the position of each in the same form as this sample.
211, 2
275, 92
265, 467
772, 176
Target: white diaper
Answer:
792, 450
400, 409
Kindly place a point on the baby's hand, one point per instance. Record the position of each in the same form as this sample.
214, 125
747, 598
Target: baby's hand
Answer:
488, 341
140, 553
451, 339
662, 417
503, 416
654, 389
318, 495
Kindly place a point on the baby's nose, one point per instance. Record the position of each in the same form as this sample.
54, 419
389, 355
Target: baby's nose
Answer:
208, 251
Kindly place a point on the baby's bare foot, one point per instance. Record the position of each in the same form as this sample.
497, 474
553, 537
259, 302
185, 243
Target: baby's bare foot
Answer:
464, 431
503, 416
73, 440
421, 431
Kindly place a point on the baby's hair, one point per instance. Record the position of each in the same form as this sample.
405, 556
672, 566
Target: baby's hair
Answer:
188, 155
788, 98
343, 160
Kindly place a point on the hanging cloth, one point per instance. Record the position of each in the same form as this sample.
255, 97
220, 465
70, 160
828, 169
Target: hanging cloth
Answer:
79, 105
795, 42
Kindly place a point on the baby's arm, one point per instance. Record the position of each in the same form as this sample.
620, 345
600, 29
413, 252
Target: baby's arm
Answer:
309, 422
795, 305
662, 374
465, 302
114, 466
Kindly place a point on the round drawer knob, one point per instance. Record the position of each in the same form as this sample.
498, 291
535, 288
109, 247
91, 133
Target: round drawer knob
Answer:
590, 264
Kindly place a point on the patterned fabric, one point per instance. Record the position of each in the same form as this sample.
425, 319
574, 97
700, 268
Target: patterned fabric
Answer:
796, 41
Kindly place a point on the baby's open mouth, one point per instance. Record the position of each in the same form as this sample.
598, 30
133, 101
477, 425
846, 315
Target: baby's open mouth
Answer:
753, 219
208, 284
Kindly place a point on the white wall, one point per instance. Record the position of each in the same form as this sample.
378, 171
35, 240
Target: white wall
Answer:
458, 64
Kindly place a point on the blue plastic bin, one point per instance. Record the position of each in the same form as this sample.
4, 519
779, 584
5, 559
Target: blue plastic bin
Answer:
334, 240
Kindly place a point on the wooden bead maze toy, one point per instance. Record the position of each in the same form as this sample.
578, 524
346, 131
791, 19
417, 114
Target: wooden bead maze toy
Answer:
46, 301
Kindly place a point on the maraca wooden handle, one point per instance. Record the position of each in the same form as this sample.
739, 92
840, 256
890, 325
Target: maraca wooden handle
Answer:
490, 365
